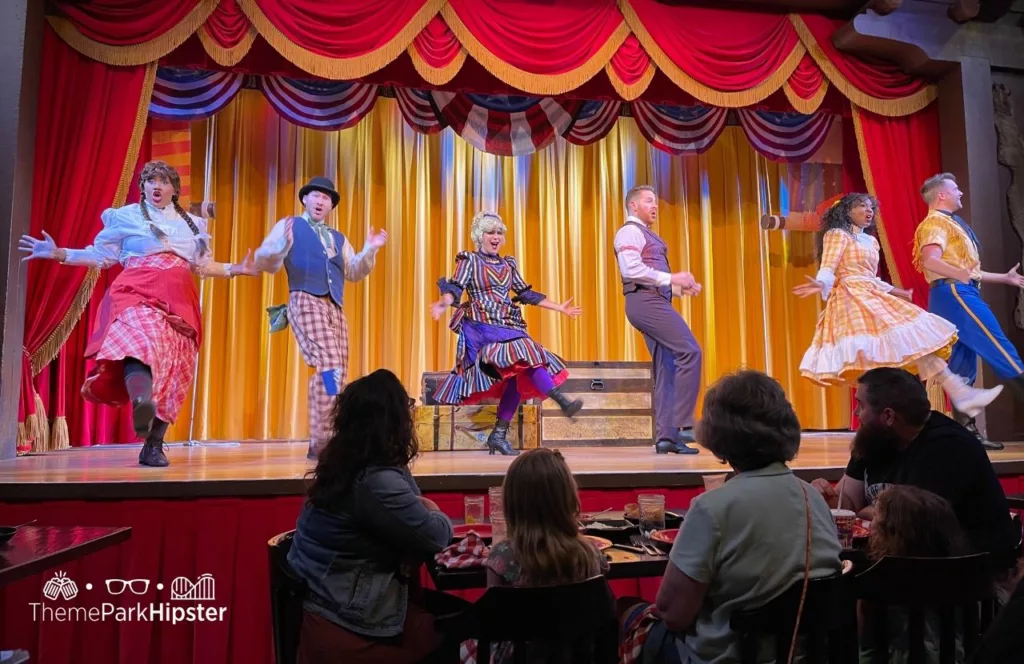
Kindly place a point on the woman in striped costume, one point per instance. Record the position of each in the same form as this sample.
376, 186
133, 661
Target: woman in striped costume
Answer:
496, 358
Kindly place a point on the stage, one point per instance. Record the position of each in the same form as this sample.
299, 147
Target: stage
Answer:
279, 468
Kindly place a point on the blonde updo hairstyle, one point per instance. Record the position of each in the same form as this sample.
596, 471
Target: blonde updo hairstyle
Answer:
485, 222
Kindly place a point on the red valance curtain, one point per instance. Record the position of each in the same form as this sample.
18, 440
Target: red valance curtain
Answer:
89, 128
721, 57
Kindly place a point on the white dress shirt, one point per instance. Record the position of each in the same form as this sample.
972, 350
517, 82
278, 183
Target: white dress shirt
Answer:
629, 242
126, 234
271, 254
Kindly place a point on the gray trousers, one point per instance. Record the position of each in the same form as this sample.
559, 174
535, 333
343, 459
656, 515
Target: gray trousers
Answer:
677, 360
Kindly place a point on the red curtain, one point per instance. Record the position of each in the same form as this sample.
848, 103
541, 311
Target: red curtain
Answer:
227, 25
124, 22
86, 124
883, 80
538, 38
718, 48
349, 30
897, 155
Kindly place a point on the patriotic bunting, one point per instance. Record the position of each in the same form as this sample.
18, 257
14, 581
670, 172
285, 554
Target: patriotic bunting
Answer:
677, 129
189, 94
507, 125
325, 105
785, 136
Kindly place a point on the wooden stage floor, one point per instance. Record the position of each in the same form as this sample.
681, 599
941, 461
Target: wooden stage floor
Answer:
279, 468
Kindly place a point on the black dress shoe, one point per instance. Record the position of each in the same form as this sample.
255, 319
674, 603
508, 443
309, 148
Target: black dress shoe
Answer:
972, 426
671, 447
152, 454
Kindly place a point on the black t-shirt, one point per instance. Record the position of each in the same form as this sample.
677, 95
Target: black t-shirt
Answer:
948, 460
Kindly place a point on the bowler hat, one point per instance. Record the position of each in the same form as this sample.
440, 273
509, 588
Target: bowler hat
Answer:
324, 185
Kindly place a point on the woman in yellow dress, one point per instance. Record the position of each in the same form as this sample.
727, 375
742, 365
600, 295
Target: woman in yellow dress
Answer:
868, 323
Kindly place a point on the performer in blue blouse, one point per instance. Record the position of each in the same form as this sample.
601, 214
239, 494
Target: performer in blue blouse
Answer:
496, 358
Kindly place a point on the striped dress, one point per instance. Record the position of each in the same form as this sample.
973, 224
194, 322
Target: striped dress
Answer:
494, 346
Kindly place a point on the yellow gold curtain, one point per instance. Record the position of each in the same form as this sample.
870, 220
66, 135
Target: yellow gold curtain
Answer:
562, 206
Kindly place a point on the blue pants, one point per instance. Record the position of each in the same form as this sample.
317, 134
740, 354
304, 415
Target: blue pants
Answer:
978, 330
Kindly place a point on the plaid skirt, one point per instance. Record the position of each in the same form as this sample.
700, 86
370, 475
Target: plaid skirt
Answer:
149, 332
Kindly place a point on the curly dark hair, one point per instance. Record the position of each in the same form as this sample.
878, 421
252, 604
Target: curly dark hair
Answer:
748, 423
838, 216
373, 426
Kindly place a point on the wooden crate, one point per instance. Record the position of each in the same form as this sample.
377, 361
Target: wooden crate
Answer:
618, 406
443, 428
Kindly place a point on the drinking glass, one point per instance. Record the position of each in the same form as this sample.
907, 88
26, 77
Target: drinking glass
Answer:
497, 502
474, 509
498, 528
652, 513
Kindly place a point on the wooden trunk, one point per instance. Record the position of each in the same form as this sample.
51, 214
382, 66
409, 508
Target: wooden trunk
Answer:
445, 428
618, 406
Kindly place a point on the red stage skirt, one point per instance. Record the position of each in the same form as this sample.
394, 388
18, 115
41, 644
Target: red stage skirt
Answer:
151, 313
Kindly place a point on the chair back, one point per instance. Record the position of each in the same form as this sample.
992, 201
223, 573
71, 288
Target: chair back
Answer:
937, 586
576, 620
287, 591
827, 628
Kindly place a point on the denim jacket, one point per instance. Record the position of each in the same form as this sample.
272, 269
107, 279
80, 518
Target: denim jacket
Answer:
352, 555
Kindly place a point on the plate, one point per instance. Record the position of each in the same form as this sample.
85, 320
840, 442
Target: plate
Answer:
481, 529
600, 542
667, 536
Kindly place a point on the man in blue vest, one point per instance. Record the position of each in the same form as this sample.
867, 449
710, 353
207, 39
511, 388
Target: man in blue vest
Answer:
318, 261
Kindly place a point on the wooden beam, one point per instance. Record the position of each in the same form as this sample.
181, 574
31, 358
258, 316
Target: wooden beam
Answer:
924, 41
21, 38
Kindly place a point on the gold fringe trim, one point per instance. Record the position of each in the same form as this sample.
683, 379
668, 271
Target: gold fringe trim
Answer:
892, 108
536, 84
703, 93
869, 179
61, 437
436, 75
49, 348
39, 426
227, 57
134, 54
22, 441
630, 91
937, 397
340, 68
805, 106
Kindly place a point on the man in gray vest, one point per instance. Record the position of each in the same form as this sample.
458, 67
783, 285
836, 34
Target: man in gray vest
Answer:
318, 261
649, 285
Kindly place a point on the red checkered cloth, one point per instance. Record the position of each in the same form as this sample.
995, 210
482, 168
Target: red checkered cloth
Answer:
139, 323
635, 632
468, 552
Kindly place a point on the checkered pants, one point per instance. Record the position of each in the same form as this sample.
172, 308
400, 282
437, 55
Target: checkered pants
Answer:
320, 328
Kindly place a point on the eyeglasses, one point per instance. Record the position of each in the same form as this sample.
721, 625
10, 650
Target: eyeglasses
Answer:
137, 586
